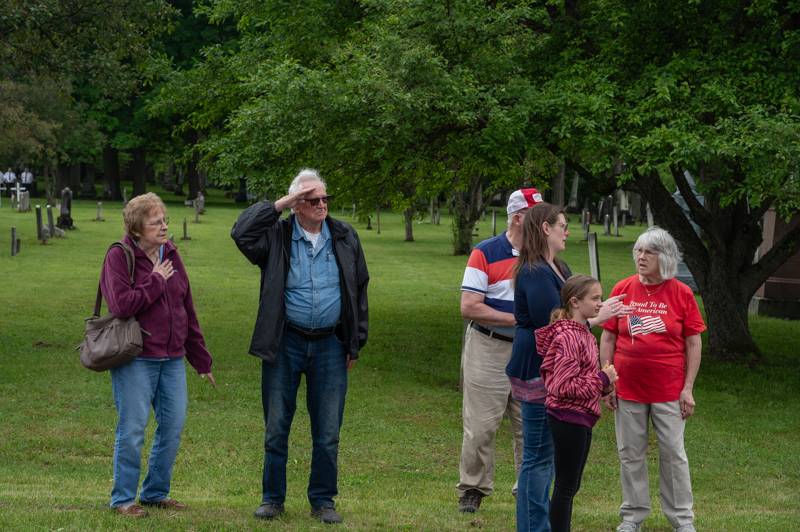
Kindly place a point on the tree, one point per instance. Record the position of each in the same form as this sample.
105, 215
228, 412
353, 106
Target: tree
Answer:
708, 87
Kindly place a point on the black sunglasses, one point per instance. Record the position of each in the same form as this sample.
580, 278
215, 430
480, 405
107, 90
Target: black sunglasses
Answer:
315, 201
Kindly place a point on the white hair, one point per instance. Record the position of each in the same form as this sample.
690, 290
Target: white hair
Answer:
304, 176
660, 241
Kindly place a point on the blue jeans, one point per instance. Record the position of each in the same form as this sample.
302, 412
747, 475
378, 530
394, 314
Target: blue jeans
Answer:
138, 386
324, 363
536, 473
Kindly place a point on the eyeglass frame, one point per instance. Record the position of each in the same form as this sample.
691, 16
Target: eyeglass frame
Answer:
158, 223
315, 201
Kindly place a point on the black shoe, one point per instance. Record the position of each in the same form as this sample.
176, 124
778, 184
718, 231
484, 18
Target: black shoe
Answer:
470, 501
326, 514
269, 510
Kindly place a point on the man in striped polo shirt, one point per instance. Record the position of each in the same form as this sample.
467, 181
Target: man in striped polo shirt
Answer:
487, 301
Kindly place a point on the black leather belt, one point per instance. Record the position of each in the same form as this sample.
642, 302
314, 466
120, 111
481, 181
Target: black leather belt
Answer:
490, 333
310, 334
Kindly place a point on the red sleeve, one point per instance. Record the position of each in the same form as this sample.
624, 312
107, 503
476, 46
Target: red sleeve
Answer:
693, 321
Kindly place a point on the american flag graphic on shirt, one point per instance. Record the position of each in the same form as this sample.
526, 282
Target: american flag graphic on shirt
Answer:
645, 325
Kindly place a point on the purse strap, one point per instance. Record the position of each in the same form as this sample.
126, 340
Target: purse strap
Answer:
128, 258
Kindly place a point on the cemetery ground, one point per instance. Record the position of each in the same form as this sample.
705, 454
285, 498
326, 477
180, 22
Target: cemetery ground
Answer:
401, 438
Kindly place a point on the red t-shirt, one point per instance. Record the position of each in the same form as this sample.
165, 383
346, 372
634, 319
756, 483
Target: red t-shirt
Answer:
650, 354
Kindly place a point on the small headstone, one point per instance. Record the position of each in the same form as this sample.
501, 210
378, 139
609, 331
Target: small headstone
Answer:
65, 213
196, 211
650, 222
99, 217
616, 221
24, 204
185, 231
594, 257
39, 227
606, 225
201, 203
494, 222
124, 196
50, 226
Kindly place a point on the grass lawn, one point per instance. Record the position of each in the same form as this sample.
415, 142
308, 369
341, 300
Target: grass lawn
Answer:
401, 438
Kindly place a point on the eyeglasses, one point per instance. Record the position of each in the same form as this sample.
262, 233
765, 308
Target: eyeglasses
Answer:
315, 201
158, 223
646, 252
563, 226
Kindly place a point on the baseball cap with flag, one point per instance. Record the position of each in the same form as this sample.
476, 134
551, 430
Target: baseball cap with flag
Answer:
523, 198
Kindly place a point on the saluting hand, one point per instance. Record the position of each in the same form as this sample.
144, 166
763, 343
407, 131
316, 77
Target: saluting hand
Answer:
290, 200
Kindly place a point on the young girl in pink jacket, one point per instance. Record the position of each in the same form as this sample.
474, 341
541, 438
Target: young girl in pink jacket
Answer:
575, 382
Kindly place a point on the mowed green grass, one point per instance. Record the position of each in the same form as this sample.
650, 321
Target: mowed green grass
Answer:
401, 438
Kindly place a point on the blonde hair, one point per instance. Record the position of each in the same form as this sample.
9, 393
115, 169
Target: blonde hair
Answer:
137, 210
577, 286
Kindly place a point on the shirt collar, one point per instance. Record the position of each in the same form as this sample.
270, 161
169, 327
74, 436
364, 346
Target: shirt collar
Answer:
298, 234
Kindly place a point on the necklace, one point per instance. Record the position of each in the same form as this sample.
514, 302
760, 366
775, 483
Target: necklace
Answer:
653, 291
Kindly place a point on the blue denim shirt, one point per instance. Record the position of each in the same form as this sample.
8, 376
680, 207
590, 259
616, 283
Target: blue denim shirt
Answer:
313, 298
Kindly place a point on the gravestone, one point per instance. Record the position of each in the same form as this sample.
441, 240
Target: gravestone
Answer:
14, 242
185, 231
99, 217
50, 226
494, 222
594, 256
650, 222
201, 203
196, 205
779, 296
65, 216
24, 204
616, 221
606, 225
40, 231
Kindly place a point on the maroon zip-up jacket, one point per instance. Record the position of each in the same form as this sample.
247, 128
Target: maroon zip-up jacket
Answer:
163, 308
571, 372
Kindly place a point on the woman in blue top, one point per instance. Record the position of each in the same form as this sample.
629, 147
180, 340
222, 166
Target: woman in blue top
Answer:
538, 278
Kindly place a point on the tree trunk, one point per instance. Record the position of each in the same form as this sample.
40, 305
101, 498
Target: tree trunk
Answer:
728, 331
139, 171
192, 178
408, 219
192, 175
468, 206
559, 183
721, 261
111, 173
87, 182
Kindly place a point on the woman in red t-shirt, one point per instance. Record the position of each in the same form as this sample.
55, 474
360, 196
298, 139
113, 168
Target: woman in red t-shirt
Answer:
656, 352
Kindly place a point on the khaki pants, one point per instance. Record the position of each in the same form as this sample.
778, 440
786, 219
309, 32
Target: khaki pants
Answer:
631, 419
487, 397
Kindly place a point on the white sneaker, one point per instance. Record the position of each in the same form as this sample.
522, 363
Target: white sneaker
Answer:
628, 526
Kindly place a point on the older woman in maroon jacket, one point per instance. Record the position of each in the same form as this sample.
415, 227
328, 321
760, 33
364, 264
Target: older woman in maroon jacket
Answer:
161, 300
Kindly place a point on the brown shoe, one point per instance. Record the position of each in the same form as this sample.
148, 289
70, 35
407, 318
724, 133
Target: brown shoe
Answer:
133, 510
165, 504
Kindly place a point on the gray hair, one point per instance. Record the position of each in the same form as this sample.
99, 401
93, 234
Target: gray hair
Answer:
660, 241
304, 176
